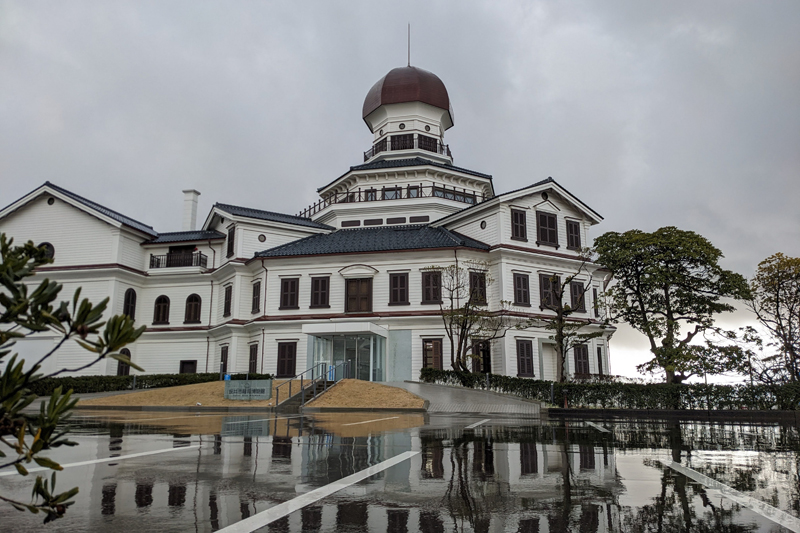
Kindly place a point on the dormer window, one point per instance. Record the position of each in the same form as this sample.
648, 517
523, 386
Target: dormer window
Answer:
231, 244
573, 235
546, 229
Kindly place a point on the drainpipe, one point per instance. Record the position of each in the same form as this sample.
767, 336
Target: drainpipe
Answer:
265, 287
214, 256
211, 303
262, 350
208, 345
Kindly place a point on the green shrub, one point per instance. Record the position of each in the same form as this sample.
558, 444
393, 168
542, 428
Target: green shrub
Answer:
615, 395
89, 384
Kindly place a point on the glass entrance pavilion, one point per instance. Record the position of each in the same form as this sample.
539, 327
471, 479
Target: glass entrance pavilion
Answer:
366, 354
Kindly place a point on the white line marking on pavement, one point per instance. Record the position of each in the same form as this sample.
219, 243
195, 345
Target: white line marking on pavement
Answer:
598, 427
476, 424
279, 511
108, 459
767, 511
368, 421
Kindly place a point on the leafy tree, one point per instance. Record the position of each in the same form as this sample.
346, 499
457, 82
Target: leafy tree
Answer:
568, 331
465, 313
669, 285
23, 313
775, 300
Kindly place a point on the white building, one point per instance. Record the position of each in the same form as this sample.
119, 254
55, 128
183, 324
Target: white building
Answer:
348, 278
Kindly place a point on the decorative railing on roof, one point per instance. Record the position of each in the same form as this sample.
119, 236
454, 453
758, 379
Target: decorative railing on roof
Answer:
408, 142
395, 193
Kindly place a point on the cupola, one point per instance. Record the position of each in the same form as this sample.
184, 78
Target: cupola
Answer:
408, 111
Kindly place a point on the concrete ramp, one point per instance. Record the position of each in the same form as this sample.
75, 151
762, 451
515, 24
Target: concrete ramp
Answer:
450, 399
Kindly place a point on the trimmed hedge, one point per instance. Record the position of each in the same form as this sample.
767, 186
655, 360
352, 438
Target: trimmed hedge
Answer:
88, 384
613, 395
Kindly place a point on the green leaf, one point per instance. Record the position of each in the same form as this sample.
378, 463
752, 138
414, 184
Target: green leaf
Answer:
48, 463
21, 469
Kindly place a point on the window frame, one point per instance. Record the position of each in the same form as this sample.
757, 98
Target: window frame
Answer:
223, 358
415, 189
396, 193
398, 292
477, 287
525, 368
522, 295
124, 369
577, 301
256, 302
547, 230
231, 241
349, 282
290, 289
320, 291
252, 362
595, 303
161, 310
584, 359
599, 360
284, 346
227, 304
547, 297
129, 303
573, 235
433, 355
193, 309
431, 287
519, 225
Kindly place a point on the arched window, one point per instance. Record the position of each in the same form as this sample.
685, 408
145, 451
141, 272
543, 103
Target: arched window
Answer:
161, 314
193, 309
129, 304
124, 369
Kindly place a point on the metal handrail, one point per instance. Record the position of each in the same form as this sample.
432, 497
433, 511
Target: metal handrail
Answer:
320, 371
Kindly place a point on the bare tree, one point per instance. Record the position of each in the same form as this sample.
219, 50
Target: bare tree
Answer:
568, 331
468, 320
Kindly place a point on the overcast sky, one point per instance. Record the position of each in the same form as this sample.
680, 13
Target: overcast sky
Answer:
653, 113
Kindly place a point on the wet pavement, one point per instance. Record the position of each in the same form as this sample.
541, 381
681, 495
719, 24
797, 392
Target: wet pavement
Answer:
179, 471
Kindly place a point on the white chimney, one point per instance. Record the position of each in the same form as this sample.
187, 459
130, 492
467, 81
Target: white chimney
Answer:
190, 209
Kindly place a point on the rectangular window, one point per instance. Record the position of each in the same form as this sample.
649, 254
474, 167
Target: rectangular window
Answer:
226, 310
370, 195
529, 459
287, 359
547, 229
231, 234
477, 288
595, 303
432, 287
256, 297
522, 295
577, 296
188, 367
549, 287
223, 359
581, 352
253, 366
600, 360
359, 295
427, 143
525, 358
432, 353
573, 235
413, 191
403, 142
392, 193
289, 293
586, 456
398, 289
320, 291
519, 226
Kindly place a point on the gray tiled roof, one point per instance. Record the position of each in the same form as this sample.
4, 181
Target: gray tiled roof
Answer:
186, 236
269, 215
410, 162
380, 239
119, 217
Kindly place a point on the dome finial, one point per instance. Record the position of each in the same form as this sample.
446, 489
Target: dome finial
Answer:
409, 44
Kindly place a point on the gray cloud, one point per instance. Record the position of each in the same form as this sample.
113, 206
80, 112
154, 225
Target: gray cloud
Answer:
668, 113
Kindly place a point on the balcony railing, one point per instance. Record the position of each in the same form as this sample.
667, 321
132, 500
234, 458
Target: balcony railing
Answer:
395, 193
181, 259
408, 142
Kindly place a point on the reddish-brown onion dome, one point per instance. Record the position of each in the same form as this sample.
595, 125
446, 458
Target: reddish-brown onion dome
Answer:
407, 84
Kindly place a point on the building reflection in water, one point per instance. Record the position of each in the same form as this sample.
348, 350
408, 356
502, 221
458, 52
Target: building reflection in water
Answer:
538, 478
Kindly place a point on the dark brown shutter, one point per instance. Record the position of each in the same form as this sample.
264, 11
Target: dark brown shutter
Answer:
319, 292
576, 295
129, 304
573, 235
595, 303
226, 311
398, 285
432, 353
521, 291
477, 287
548, 231
431, 283
253, 367
224, 359
192, 314
519, 229
581, 353
287, 352
256, 297
289, 293
231, 235
161, 314
525, 358
600, 360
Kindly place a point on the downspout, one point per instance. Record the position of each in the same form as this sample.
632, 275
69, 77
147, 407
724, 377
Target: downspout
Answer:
214, 256
262, 350
208, 346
